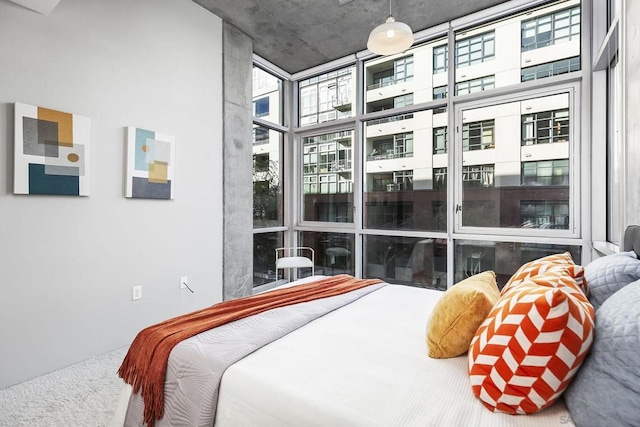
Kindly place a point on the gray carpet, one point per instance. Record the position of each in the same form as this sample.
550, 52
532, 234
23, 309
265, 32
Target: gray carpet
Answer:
84, 394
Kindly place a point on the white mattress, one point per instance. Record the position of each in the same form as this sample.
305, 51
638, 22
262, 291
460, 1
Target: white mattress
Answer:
365, 364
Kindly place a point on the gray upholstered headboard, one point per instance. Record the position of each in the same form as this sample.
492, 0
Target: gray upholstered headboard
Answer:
632, 239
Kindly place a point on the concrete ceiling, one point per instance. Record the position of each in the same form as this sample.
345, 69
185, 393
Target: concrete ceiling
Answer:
300, 34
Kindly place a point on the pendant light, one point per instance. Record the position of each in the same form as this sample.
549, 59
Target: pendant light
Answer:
390, 37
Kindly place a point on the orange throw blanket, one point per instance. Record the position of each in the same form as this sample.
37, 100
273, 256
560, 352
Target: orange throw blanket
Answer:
145, 365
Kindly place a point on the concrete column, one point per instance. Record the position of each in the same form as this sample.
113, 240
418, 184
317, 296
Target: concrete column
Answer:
237, 163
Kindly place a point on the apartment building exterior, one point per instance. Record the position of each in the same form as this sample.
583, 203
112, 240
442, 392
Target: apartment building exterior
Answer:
513, 159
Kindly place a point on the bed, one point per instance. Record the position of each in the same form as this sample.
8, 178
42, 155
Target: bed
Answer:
362, 362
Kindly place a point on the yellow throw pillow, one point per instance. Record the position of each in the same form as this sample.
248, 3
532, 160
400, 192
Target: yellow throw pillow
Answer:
458, 314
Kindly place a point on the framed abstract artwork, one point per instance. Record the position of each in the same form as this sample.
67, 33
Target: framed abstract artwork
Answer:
150, 164
51, 152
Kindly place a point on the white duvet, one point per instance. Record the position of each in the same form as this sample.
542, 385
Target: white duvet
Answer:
365, 364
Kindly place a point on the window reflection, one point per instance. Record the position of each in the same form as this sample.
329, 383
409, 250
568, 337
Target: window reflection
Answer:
521, 181
407, 260
402, 184
268, 196
334, 252
327, 97
327, 177
504, 258
264, 265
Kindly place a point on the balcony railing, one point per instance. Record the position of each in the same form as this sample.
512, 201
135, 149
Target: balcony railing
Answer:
387, 156
260, 141
336, 167
390, 119
389, 82
479, 146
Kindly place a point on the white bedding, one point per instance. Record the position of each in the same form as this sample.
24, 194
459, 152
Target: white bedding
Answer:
365, 364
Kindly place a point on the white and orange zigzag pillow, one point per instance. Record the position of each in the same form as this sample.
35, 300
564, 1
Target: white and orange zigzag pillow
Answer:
526, 352
556, 263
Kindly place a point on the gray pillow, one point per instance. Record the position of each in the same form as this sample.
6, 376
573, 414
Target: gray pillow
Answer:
606, 389
606, 275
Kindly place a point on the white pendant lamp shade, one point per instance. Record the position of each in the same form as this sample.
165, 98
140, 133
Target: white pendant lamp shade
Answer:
390, 37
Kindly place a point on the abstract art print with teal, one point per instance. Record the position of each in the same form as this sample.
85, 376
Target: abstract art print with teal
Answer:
150, 164
51, 152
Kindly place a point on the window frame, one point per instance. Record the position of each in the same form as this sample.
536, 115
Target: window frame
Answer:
573, 90
481, 40
441, 51
553, 18
360, 119
476, 85
555, 121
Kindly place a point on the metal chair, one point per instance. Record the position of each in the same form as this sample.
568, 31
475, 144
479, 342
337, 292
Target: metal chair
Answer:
293, 258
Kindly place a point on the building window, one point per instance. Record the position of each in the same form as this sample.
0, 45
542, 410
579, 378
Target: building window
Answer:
326, 97
393, 181
440, 140
478, 135
478, 176
476, 85
403, 100
268, 148
546, 172
382, 182
401, 71
261, 107
393, 147
475, 50
544, 214
403, 180
327, 177
440, 92
439, 178
261, 162
545, 127
440, 59
260, 135
403, 144
328, 184
549, 69
551, 29
310, 184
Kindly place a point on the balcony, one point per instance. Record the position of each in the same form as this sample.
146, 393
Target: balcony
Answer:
389, 155
390, 119
388, 82
340, 166
342, 103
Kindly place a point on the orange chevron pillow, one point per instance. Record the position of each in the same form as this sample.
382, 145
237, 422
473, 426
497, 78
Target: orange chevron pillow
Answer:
526, 352
561, 263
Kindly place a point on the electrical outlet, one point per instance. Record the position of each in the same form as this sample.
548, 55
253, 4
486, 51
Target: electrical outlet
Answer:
136, 292
184, 282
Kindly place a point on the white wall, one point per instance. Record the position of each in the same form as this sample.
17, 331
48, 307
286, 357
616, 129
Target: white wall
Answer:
67, 264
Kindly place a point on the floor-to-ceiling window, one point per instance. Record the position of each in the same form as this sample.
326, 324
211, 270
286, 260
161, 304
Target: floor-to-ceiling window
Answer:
422, 171
608, 78
268, 173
